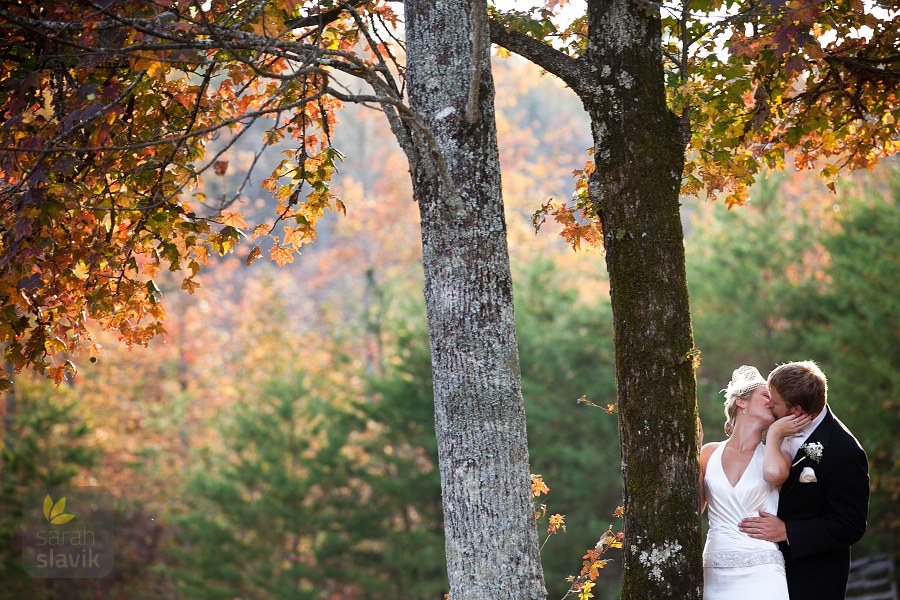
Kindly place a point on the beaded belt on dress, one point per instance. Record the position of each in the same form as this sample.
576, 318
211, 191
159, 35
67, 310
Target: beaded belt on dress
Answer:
742, 559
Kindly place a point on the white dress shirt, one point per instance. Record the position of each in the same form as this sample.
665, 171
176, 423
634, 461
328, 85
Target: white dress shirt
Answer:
792, 444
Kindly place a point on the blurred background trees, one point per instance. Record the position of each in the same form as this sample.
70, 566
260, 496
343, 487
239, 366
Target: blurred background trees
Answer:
280, 436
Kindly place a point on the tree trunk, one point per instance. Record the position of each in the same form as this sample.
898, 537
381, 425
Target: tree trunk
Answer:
639, 155
491, 537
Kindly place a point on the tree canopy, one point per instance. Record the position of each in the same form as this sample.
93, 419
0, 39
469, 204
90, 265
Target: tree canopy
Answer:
109, 119
110, 114
808, 85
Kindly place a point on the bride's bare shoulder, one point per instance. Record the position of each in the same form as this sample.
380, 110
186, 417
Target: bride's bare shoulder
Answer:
707, 450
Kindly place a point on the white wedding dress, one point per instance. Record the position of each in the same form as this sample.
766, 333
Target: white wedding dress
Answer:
736, 566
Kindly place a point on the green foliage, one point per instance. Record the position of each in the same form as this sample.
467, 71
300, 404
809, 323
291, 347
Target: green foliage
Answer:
255, 525
44, 445
771, 283
313, 492
737, 262
404, 468
357, 470
566, 351
852, 326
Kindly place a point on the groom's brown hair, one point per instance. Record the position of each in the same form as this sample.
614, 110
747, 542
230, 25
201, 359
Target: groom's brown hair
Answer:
801, 384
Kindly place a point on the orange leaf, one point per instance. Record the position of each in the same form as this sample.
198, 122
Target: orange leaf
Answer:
297, 236
556, 522
260, 230
58, 374
537, 486
281, 255
185, 99
234, 219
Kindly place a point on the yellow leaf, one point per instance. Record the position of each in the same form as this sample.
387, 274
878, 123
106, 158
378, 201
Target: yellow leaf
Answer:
48, 504
585, 592
154, 68
54, 345
62, 519
58, 508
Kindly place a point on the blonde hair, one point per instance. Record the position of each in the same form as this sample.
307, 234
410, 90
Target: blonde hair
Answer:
731, 407
744, 380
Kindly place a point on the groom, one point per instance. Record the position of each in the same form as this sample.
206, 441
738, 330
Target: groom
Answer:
823, 504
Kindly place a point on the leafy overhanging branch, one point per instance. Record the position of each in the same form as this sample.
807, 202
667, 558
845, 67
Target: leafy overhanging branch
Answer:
796, 80
106, 123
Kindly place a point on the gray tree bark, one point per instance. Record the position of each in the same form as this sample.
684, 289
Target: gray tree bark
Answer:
639, 155
491, 537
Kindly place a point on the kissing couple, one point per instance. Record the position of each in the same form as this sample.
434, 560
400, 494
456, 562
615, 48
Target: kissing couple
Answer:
787, 493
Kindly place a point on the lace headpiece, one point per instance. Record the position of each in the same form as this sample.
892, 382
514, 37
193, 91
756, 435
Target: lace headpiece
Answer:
743, 379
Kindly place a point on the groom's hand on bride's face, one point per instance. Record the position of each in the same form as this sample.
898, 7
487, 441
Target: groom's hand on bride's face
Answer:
766, 527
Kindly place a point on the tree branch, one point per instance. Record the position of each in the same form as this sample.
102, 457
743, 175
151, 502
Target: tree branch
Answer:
324, 18
576, 73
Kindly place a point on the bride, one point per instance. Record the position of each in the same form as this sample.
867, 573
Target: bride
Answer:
739, 478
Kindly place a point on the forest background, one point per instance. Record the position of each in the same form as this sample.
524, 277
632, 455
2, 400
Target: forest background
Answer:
278, 442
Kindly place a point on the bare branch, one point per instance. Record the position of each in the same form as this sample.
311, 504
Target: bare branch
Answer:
573, 71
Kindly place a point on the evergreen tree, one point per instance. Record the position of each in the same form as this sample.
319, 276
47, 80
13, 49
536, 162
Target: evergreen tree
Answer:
566, 349
740, 292
44, 445
315, 494
851, 325
267, 511
403, 469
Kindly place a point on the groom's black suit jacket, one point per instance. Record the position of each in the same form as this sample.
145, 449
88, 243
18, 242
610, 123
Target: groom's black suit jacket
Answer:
823, 518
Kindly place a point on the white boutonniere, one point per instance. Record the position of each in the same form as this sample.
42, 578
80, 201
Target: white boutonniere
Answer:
812, 451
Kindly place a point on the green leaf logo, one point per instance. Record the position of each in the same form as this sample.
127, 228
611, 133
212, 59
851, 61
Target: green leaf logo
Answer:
54, 512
